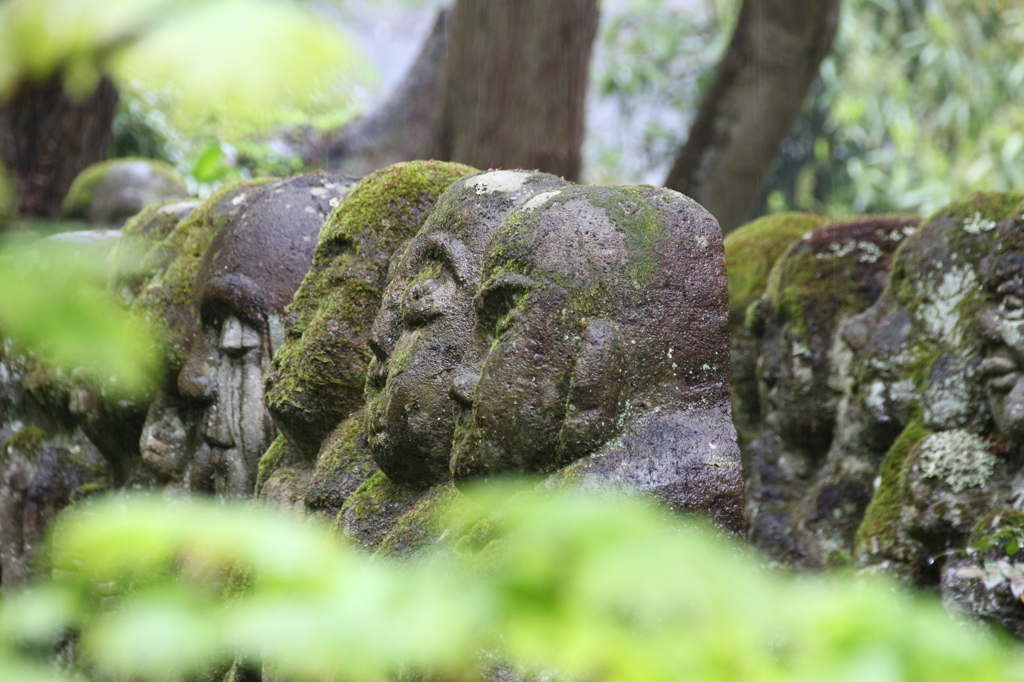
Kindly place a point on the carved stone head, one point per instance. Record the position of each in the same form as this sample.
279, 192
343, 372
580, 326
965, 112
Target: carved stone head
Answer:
248, 275
602, 312
425, 325
317, 378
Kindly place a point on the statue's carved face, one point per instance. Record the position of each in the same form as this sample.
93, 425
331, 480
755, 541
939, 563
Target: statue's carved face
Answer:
1002, 323
514, 403
597, 305
420, 336
425, 326
225, 374
247, 276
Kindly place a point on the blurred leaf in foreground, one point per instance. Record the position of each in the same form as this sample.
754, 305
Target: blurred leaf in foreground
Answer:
53, 302
562, 585
229, 59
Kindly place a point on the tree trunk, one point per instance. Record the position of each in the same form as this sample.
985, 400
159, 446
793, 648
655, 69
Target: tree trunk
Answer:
758, 92
47, 138
400, 129
515, 84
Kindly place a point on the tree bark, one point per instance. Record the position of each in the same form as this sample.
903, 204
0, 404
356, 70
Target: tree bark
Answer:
759, 88
515, 84
48, 137
400, 128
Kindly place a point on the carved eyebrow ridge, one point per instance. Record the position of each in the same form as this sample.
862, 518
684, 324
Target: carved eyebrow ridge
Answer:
453, 253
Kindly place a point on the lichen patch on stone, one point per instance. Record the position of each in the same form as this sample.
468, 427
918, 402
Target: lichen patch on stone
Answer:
539, 200
498, 181
959, 458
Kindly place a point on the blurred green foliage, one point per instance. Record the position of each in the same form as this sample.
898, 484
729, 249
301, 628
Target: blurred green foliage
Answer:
571, 586
194, 76
918, 104
54, 303
226, 58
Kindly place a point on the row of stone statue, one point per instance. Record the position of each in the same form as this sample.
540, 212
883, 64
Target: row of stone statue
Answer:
357, 349
878, 395
365, 349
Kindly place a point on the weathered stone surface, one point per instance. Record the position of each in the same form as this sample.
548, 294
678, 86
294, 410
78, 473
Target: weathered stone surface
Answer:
315, 385
45, 465
245, 278
750, 253
110, 192
166, 301
317, 378
425, 325
918, 373
829, 275
602, 344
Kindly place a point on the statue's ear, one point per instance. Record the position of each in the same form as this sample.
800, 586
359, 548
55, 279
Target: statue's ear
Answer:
593, 410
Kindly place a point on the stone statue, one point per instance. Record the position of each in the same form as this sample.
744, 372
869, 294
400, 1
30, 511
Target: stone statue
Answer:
315, 383
110, 192
155, 280
750, 253
602, 350
829, 275
247, 276
425, 325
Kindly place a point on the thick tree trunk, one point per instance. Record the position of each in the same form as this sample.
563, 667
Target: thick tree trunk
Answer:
515, 83
400, 129
47, 138
759, 89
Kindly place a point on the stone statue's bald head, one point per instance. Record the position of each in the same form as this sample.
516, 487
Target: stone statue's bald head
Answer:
597, 305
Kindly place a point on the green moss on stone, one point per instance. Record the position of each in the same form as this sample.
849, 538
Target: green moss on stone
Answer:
752, 250
276, 455
343, 465
23, 441
321, 368
371, 496
879, 530
382, 211
630, 211
82, 191
167, 303
985, 206
424, 522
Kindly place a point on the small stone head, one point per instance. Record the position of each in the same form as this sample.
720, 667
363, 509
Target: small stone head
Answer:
316, 379
425, 325
597, 306
832, 273
246, 278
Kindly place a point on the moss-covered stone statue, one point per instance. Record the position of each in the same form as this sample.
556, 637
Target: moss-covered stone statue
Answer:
750, 253
211, 439
829, 275
602, 354
315, 383
419, 338
938, 366
110, 192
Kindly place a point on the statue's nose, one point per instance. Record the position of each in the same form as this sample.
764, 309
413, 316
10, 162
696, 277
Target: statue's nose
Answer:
195, 380
464, 384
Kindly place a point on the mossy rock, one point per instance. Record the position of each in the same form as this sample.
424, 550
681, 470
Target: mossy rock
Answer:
317, 376
752, 250
111, 191
167, 302
343, 465
880, 535
136, 258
